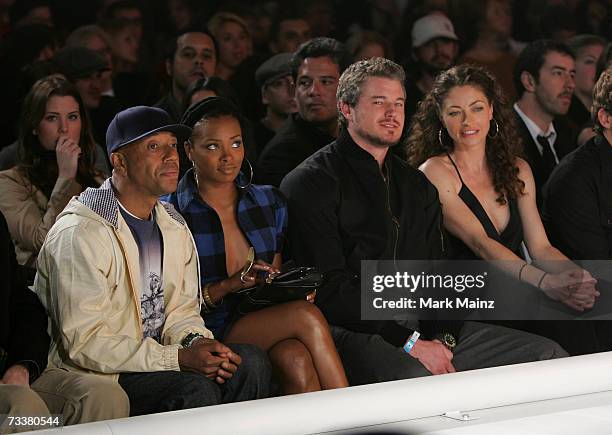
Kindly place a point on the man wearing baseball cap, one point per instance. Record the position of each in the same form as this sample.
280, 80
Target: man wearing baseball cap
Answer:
434, 49
118, 274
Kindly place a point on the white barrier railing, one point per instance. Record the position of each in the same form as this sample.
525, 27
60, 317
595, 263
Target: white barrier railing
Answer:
377, 403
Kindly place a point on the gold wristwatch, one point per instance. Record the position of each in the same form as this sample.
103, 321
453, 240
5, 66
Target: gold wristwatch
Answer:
447, 340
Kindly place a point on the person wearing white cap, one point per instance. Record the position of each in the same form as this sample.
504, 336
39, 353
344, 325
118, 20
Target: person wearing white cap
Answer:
434, 49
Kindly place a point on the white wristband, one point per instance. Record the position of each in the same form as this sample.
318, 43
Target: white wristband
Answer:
411, 341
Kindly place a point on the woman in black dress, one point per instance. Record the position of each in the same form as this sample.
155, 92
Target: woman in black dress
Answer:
462, 138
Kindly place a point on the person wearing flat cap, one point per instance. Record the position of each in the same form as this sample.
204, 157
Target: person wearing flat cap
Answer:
118, 275
85, 68
278, 95
435, 48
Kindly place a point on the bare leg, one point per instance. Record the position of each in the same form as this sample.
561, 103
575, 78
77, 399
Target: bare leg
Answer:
299, 320
293, 367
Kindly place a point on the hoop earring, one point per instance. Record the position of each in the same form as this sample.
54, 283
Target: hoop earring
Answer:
250, 178
496, 130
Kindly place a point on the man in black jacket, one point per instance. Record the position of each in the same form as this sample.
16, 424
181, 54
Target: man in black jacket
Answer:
316, 68
578, 197
544, 78
577, 212
353, 201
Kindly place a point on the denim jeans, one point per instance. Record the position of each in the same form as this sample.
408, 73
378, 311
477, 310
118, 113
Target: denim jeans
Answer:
172, 390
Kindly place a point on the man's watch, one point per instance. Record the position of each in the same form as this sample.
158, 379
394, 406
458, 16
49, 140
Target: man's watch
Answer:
190, 339
447, 340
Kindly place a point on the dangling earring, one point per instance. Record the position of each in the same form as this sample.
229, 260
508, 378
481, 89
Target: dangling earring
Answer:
250, 178
195, 173
440, 138
496, 130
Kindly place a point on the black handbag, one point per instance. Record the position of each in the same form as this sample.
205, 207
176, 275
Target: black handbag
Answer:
294, 284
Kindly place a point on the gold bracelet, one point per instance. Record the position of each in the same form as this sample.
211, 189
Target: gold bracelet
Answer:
207, 299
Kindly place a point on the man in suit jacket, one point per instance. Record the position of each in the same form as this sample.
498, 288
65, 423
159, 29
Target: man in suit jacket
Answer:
544, 78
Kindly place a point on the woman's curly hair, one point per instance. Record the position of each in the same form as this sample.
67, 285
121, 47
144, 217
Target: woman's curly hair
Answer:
502, 148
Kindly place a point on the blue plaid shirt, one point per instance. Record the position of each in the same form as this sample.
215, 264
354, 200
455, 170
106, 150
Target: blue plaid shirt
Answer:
262, 217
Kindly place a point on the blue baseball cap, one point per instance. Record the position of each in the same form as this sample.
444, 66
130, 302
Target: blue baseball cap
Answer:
135, 123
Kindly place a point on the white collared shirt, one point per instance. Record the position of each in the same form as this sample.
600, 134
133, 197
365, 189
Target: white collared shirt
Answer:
535, 131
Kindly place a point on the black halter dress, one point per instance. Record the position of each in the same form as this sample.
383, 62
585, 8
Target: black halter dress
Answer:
511, 237
513, 300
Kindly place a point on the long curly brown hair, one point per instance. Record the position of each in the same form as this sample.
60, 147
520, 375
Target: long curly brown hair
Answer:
502, 148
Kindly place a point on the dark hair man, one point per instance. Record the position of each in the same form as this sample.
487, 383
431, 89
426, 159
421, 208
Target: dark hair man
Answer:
192, 56
578, 196
316, 68
127, 11
287, 32
577, 214
544, 80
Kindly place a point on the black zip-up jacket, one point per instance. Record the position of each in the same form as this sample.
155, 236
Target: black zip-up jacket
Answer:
343, 210
295, 141
577, 208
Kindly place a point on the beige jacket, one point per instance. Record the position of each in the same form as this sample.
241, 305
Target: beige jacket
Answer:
29, 213
88, 280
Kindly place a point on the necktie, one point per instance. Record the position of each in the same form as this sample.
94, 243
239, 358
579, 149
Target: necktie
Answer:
548, 158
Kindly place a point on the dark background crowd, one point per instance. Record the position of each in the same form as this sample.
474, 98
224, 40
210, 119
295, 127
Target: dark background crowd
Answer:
486, 84
139, 35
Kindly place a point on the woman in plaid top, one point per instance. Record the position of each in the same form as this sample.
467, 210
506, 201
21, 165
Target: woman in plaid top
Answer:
227, 215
